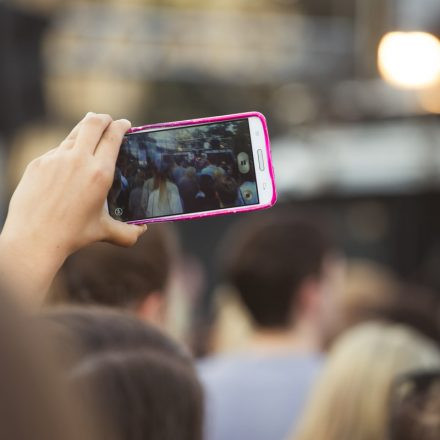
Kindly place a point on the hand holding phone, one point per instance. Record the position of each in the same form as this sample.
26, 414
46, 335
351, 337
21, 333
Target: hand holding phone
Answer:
192, 169
59, 205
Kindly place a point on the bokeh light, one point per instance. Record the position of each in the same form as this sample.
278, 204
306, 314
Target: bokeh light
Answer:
409, 59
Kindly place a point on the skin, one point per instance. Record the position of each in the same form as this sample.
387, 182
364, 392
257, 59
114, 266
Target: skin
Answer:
59, 206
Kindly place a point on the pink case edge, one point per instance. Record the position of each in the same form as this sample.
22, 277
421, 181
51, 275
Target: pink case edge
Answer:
228, 210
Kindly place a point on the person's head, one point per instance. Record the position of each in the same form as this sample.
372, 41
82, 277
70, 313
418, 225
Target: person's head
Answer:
190, 173
351, 398
133, 278
226, 189
162, 170
415, 406
139, 178
207, 185
367, 292
284, 270
139, 382
373, 293
34, 404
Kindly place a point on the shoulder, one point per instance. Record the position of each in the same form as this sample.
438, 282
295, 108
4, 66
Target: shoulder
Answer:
172, 186
217, 367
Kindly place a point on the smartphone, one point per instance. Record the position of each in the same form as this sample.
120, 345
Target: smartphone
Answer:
192, 169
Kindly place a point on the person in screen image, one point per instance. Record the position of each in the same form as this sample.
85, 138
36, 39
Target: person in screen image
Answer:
226, 190
211, 169
138, 382
352, 397
142, 152
160, 197
164, 199
135, 198
119, 191
201, 162
188, 189
285, 270
177, 171
206, 198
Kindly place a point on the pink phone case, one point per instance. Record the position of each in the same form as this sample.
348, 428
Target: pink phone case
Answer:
212, 119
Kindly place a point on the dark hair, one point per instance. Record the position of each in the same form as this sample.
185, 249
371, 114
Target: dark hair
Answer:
110, 275
141, 383
207, 184
267, 258
415, 411
227, 189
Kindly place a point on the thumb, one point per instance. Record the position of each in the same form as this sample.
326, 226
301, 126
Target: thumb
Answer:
123, 234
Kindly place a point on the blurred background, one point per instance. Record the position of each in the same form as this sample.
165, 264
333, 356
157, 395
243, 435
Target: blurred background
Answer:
350, 89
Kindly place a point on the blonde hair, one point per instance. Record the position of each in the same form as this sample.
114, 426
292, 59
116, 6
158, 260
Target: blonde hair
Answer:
351, 398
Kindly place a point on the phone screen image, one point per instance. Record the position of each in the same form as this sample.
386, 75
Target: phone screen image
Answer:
183, 170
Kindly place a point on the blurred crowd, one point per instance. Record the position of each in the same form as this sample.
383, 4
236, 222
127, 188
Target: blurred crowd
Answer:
323, 347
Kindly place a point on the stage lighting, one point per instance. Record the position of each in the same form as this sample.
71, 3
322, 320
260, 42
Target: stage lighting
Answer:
409, 59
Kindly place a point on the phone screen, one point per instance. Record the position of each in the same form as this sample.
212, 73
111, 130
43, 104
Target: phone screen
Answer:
183, 170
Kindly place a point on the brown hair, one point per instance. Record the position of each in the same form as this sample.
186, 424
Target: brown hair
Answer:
141, 383
267, 258
109, 275
227, 189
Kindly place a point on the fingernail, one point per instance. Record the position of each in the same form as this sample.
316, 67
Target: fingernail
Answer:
125, 120
90, 113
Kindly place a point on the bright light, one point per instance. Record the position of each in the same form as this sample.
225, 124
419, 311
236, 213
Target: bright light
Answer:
409, 59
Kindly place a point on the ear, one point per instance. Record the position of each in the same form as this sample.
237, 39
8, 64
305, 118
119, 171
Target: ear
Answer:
152, 309
309, 298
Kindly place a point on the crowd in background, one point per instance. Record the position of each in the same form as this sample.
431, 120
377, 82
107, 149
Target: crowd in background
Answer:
337, 350
326, 357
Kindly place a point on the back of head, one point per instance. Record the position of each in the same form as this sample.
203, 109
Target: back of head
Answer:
190, 172
207, 184
268, 258
141, 383
379, 296
227, 189
114, 276
34, 404
351, 398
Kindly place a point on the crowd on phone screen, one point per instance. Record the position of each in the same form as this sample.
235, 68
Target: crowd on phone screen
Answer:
329, 358
169, 184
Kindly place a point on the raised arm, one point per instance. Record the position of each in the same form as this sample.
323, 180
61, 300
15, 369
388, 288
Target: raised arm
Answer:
59, 206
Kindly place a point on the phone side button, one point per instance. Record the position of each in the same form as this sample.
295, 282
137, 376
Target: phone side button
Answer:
260, 159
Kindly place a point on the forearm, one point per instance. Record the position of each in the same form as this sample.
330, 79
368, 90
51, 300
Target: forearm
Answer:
28, 268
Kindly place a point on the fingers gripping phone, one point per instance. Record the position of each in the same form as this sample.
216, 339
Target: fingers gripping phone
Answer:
192, 169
